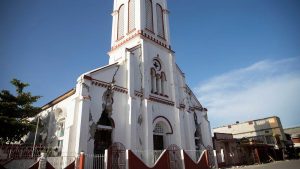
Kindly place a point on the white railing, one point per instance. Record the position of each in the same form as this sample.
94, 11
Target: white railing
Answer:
94, 161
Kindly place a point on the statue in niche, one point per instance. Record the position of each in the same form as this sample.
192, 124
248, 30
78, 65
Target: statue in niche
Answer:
198, 134
108, 101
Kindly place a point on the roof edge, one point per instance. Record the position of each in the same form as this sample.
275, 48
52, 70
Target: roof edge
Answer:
59, 99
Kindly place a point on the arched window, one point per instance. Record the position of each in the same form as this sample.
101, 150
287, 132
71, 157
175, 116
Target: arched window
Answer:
160, 21
149, 15
131, 13
153, 80
163, 82
120, 22
158, 78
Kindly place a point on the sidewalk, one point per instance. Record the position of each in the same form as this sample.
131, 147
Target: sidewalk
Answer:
287, 164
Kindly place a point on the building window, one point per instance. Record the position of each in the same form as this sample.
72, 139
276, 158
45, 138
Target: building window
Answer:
158, 78
131, 14
120, 32
149, 15
160, 21
158, 129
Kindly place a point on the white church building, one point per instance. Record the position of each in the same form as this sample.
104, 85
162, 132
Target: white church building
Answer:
139, 99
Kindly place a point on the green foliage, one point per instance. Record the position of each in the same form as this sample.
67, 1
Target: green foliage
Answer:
15, 111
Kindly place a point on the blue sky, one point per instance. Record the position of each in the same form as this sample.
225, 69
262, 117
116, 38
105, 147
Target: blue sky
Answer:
241, 57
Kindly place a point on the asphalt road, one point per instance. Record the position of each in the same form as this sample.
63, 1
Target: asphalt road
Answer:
291, 164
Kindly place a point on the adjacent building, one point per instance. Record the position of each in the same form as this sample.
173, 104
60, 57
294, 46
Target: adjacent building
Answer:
266, 130
254, 141
294, 134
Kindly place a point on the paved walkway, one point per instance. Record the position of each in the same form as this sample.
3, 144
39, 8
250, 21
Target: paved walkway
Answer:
288, 164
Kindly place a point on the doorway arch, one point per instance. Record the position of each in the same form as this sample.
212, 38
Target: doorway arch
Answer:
161, 129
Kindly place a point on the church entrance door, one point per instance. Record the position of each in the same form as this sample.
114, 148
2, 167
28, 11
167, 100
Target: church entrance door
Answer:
102, 141
158, 141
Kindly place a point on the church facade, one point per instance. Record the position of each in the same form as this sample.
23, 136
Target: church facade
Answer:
139, 99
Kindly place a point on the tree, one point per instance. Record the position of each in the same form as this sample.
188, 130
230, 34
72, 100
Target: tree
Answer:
15, 112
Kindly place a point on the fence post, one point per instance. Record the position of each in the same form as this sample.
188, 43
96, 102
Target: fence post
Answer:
215, 159
81, 160
182, 158
127, 158
105, 158
42, 161
206, 158
9, 154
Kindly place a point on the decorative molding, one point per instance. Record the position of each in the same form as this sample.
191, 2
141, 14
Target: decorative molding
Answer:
160, 100
106, 85
144, 34
138, 94
120, 89
199, 108
137, 33
182, 106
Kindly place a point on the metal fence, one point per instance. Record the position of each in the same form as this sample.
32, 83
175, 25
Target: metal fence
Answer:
94, 161
25, 151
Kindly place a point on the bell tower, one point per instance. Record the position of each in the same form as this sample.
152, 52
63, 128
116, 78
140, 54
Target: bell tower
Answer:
136, 19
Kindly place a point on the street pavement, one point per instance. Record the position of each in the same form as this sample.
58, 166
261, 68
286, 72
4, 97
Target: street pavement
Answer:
288, 164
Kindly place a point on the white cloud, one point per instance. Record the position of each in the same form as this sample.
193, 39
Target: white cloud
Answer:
263, 89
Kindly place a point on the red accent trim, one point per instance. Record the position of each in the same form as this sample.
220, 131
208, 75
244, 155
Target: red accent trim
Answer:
71, 166
202, 163
35, 165
49, 166
166, 120
135, 163
81, 161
